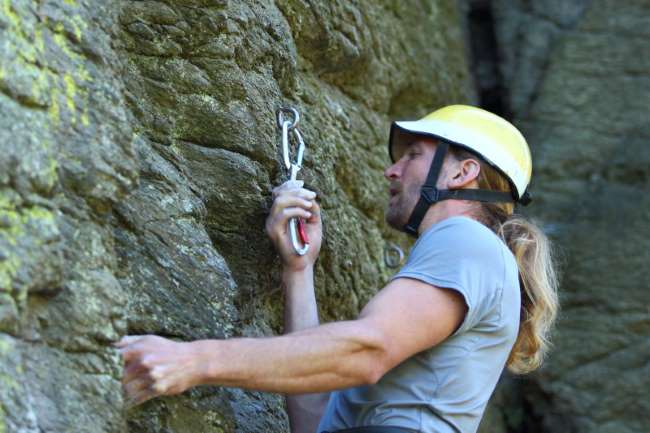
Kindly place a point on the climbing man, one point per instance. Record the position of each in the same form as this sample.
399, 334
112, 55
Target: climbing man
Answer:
477, 293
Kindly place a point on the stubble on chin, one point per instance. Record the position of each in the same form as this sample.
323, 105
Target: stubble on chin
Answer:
391, 218
397, 215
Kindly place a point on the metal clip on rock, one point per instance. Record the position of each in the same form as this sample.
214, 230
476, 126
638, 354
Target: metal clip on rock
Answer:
393, 255
289, 129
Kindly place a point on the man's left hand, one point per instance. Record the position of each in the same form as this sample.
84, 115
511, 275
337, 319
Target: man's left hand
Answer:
155, 366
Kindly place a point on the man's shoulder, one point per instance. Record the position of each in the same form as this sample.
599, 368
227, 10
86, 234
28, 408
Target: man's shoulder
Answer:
460, 237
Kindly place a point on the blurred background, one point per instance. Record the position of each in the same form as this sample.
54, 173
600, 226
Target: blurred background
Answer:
138, 148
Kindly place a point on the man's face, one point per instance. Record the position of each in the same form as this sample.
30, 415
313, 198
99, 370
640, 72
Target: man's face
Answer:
406, 176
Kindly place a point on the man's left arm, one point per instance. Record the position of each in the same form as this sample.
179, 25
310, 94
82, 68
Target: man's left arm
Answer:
404, 318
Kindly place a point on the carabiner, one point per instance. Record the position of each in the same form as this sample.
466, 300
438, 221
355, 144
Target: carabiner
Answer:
296, 225
292, 167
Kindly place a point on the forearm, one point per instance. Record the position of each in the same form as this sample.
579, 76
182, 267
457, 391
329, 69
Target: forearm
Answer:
301, 312
331, 356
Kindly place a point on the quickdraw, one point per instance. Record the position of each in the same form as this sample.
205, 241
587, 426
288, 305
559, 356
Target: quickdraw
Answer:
289, 129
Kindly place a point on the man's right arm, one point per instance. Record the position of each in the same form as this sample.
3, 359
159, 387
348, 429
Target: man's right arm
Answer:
301, 312
290, 200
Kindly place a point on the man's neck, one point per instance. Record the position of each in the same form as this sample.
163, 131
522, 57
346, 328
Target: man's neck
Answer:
446, 209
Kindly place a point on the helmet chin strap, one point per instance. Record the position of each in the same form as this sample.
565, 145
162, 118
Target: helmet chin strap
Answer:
430, 194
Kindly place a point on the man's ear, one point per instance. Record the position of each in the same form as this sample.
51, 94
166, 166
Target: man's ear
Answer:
465, 172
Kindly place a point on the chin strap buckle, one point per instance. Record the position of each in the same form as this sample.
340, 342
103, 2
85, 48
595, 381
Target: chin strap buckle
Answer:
430, 194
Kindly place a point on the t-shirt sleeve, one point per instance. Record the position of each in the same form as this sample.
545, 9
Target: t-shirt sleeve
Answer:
462, 257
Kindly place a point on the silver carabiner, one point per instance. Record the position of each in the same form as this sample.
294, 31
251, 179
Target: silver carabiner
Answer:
299, 238
292, 167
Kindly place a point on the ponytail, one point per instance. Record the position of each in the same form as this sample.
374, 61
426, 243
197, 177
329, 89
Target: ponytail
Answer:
538, 283
537, 269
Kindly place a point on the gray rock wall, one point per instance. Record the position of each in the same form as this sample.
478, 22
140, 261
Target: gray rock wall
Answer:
137, 153
577, 76
138, 150
66, 158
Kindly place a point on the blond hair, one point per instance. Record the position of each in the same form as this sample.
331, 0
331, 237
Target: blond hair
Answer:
536, 263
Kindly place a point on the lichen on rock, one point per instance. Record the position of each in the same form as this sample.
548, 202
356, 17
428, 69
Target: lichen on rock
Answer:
139, 149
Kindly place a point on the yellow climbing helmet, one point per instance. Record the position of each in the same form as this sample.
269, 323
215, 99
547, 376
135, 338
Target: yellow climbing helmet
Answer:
491, 137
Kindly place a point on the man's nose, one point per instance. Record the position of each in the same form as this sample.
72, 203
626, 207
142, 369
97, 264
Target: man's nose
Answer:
394, 171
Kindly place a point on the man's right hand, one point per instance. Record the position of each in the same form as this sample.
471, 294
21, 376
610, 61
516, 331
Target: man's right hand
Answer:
291, 200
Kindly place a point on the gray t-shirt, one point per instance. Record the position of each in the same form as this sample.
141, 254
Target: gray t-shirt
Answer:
445, 389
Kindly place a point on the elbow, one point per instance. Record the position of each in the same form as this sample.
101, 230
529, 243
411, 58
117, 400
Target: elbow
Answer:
367, 355
376, 360
373, 375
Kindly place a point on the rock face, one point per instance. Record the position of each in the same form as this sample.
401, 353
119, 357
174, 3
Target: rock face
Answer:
577, 80
138, 149
137, 153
